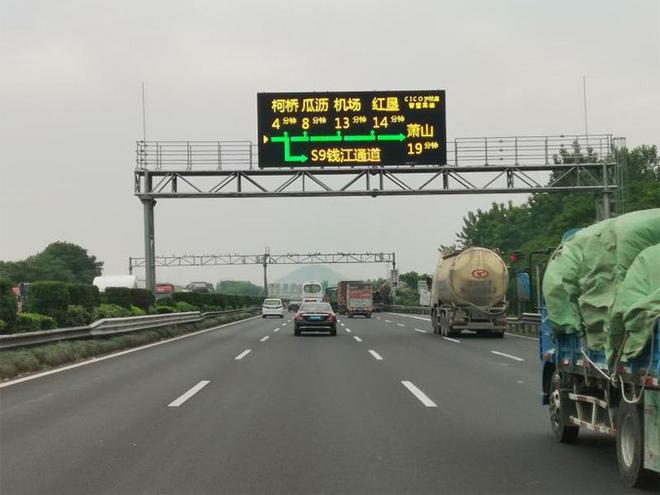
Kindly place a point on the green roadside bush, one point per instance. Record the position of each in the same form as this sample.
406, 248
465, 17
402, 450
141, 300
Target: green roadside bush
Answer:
7, 304
135, 311
3, 326
120, 296
142, 298
33, 322
78, 316
183, 307
84, 295
110, 311
218, 300
51, 299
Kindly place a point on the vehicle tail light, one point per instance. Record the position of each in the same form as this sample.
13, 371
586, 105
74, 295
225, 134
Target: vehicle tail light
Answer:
331, 318
299, 316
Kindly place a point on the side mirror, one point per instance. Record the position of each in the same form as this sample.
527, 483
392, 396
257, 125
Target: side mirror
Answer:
429, 282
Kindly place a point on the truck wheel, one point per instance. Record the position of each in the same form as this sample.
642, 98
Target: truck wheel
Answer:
630, 445
559, 408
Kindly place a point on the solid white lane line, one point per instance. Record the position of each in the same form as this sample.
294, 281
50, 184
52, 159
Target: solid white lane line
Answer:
376, 356
243, 354
276, 330
348, 329
401, 324
180, 400
420, 330
452, 340
388, 321
264, 339
419, 394
117, 354
516, 358
357, 338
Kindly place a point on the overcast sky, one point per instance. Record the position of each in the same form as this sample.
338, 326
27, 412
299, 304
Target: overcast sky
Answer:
70, 109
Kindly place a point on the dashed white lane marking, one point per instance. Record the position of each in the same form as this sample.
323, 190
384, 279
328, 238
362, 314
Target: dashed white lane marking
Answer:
348, 329
180, 400
357, 338
412, 316
516, 358
276, 330
419, 394
452, 340
376, 356
400, 324
342, 325
420, 330
284, 324
520, 381
243, 354
388, 321
264, 339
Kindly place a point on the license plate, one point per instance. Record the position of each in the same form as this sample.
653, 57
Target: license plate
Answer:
315, 318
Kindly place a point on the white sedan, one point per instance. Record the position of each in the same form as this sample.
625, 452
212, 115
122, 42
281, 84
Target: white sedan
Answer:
272, 307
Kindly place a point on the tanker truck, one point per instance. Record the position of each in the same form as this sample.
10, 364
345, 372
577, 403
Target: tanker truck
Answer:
468, 293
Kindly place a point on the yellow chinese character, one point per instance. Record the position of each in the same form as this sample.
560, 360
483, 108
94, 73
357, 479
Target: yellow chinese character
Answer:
334, 155
392, 104
374, 154
361, 155
427, 131
414, 130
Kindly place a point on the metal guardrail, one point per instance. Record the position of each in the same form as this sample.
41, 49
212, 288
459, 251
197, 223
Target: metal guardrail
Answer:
109, 327
419, 310
484, 151
526, 324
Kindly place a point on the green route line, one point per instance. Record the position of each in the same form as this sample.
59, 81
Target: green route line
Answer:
306, 138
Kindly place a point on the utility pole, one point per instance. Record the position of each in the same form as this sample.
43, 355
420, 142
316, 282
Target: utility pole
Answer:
265, 265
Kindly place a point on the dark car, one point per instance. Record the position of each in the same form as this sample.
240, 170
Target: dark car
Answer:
293, 306
315, 316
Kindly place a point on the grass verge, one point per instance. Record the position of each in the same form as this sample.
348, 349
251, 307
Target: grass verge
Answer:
18, 362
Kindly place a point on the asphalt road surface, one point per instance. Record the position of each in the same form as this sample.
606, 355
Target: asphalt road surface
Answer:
384, 407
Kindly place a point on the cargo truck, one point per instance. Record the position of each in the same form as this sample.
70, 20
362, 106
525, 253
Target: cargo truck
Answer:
600, 340
341, 295
468, 292
359, 299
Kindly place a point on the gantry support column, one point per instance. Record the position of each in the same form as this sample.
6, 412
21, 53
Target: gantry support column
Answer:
149, 245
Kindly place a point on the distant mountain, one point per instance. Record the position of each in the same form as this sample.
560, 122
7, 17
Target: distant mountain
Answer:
311, 272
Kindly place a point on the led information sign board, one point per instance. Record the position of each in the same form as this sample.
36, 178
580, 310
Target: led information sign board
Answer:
352, 128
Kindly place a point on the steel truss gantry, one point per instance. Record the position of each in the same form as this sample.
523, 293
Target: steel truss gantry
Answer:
265, 259
501, 165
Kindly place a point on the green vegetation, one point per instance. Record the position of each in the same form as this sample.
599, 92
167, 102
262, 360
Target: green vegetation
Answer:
238, 288
60, 261
540, 223
7, 305
49, 298
33, 322
407, 293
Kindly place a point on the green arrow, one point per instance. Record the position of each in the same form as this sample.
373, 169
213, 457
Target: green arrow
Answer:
326, 139
296, 158
361, 137
391, 137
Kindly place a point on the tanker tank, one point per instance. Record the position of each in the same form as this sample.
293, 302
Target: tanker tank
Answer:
468, 292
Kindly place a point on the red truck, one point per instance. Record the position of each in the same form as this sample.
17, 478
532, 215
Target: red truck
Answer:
355, 298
